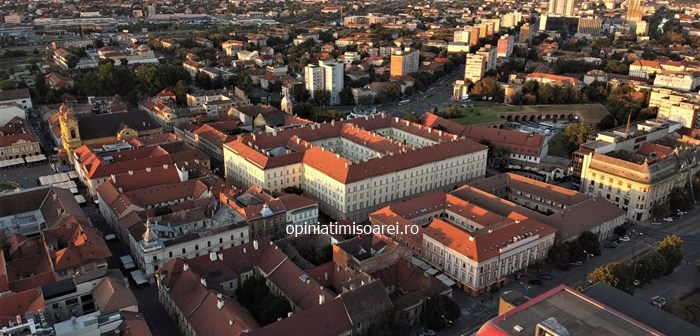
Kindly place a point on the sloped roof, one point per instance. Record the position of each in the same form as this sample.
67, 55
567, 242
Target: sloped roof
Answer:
111, 295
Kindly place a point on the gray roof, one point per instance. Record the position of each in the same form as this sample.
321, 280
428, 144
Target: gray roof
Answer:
640, 310
106, 125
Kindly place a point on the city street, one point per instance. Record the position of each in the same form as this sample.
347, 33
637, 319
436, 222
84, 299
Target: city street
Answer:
643, 237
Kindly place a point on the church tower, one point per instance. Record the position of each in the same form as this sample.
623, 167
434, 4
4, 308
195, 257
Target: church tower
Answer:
286, 105
70, 132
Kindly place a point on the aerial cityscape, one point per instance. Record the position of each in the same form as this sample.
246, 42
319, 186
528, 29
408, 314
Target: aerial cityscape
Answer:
349, 168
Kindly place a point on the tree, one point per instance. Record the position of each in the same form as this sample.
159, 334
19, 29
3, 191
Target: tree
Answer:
577, 134
620, 231
293, 190
671, 248
613, 274
558, 255
389, 323
660, 210
181, 93
438, 311
41, 87
321, 98
161, 211
499, 156
412, 117
651, 265
487, 87
300, 94
346, 96
588, 241
7, 84
680, 199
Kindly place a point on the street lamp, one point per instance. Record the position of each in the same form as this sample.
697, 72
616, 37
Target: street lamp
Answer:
634, 275
585, 267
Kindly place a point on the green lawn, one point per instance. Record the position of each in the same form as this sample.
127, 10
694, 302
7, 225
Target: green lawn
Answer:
480, 114
7, 186
492, 113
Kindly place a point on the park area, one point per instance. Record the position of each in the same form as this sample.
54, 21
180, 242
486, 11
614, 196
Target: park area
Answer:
474, 115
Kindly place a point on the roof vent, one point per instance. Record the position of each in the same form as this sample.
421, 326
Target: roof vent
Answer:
518, 328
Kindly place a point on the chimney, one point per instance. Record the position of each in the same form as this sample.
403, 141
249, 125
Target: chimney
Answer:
185, 267
321, 299
165, 166
203, 282
220, 256
244, 250
131, 172
113, 178
255, 244
212, 256
219, 301
148, 169
326, 276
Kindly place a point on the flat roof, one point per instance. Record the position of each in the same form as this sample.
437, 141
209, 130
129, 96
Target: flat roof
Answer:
571, 310
640, 310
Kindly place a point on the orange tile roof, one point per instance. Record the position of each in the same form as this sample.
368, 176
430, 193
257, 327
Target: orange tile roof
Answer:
339, 168
515, 142
11, 305
83, 244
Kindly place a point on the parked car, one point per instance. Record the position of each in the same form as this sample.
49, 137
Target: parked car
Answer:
655, 222
636, 283
577, 263
609, 245
534, 282
668, 219
545, 277
658, 301
624, 238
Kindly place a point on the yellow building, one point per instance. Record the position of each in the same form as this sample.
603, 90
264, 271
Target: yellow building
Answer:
98, 128
637, 181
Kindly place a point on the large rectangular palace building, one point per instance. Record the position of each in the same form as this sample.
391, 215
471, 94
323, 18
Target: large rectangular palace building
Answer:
355, 166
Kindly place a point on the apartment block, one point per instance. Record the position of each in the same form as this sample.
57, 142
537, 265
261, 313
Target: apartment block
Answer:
676, 106
325, 76
475, 67
404, 62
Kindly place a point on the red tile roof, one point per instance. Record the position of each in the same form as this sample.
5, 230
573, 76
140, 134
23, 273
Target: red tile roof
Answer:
515, 142
341, 169
31, 300
75, 245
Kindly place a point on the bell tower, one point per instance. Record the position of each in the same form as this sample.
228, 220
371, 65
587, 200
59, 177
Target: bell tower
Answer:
70, 132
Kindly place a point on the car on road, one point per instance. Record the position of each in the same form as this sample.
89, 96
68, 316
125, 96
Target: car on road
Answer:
534, 282
577, 263
636, 283
609, 245
668, 219
624, 238
545, 277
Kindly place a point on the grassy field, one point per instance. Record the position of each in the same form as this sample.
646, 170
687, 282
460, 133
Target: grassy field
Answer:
492, 113
480, 114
